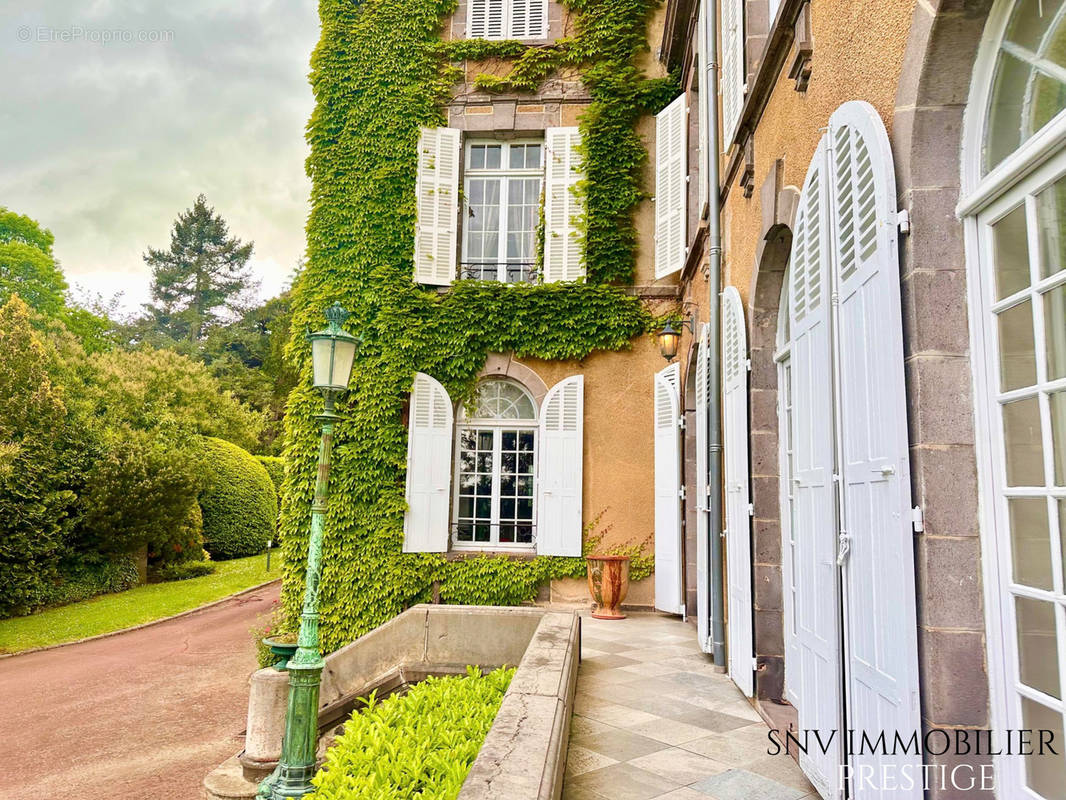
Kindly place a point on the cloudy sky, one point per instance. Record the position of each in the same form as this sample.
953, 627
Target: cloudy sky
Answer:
105, 142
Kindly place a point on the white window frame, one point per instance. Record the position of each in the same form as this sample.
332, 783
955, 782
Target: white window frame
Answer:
507, 28
982, 198
465, 423
504, 175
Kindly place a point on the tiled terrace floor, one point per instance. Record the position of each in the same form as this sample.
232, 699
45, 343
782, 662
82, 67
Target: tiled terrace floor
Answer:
653, 719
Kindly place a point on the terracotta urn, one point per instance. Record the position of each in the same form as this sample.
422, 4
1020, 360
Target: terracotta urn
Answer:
608, 584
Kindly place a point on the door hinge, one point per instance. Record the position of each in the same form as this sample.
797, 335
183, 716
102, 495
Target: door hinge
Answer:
751, 509
754, 664
681, 492
903, 220
747, 364
917, 519
681, 423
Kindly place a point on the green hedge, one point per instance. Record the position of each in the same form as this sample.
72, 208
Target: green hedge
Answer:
275, 467
240, 505
82, 580
416, 746
185, 570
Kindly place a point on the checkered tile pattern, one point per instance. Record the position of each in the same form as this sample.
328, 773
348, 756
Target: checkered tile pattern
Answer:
653, 719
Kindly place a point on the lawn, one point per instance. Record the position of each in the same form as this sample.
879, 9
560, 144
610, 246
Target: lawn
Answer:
113, 612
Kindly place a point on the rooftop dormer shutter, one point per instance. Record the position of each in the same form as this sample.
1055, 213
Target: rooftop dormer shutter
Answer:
437, 209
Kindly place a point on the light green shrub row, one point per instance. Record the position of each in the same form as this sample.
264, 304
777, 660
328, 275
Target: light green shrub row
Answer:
184, 570
416, 746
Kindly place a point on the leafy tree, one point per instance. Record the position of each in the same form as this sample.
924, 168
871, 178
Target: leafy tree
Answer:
27, 266
36, 503
201, 275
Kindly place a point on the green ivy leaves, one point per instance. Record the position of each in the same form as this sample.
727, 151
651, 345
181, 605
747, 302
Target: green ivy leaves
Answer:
381, 72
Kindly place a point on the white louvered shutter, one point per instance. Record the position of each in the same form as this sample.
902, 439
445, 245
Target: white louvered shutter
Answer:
668, 591
486, 19
437, 206
733, 71
703, 91
559, 475
563, 256
814, 674
429, 460
878, 561
528, 19
738, 529
671, 189
703, 528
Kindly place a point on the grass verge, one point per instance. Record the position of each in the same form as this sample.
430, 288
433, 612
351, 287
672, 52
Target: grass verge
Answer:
113, 612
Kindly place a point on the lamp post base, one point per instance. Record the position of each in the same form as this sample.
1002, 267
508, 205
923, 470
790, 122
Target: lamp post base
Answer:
293, 775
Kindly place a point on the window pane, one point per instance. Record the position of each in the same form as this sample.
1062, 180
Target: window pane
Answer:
507, 508
465, 533
1004, 133
518, 156
1030, 541
1030, 21
509, 440
477, 157
1021, 436
1049, 98
1057, 404
1055, 332
1044, 774
525, 534
525, 509
525, 463
1051, 213
1038, 659
466, 507
493, 156
507, 485
1017, 352
1011, 253
485, 440
525, 440
506, 534
1062, 532
482, 533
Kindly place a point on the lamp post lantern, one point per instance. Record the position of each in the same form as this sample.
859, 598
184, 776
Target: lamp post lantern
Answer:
332, 355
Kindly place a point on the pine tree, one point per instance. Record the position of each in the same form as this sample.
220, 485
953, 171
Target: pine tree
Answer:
201, 276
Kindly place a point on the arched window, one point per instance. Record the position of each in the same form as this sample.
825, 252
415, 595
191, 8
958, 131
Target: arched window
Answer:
1014, 209
1029, 77
496, 468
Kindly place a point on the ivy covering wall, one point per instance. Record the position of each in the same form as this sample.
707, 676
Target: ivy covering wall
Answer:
381, 72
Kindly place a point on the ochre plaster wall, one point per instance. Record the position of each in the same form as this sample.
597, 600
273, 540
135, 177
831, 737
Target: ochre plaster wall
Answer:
858, 55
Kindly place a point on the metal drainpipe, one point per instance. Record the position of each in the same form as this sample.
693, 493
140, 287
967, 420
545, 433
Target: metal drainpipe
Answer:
714, 424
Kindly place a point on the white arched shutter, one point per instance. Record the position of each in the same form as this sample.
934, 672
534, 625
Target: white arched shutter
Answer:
738, 530
668, 592
559, 476
877, 560
733, 71
437, 209
671, 189
816, 637
429, 460
703, 499
563, 259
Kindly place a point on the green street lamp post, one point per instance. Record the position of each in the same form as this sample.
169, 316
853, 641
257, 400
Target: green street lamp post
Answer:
332, 355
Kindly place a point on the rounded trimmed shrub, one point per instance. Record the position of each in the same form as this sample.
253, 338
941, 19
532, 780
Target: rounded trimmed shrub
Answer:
275, 467
240, 505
